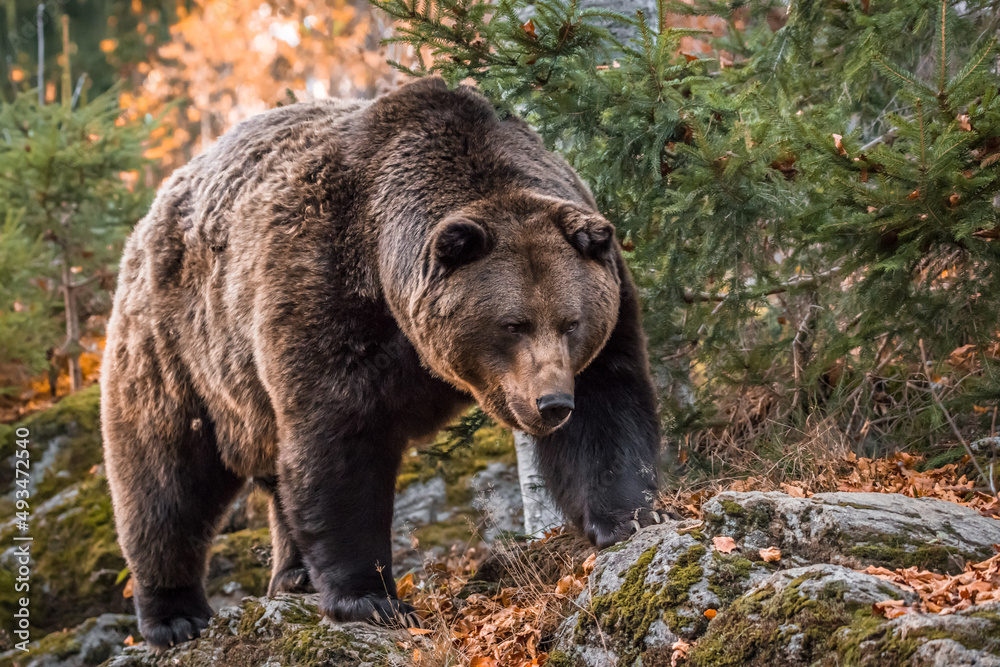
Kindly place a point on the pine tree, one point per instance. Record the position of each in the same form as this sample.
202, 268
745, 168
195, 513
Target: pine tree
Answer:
70, 177
810, 213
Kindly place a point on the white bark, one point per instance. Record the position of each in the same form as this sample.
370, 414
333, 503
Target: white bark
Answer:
540, 512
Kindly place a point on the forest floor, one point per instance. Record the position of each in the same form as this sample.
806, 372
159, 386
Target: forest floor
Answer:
490, 597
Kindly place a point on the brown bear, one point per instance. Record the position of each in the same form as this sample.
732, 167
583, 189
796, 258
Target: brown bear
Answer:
332, 281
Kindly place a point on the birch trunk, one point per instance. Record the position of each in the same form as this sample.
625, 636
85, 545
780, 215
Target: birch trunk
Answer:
540, 512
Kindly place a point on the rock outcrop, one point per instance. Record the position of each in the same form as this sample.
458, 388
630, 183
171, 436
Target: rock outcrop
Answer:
670, 584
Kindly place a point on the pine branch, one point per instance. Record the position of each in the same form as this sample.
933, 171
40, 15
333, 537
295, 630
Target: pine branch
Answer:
804, 282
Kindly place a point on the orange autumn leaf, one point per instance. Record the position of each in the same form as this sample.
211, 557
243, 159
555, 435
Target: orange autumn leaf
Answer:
770, 554
129, 641
405, 586
529, 28
914, 194
724, 544
483, 661
419, 631
127, 591
711, 613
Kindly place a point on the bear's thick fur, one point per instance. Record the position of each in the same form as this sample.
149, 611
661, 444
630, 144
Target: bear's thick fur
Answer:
332, 281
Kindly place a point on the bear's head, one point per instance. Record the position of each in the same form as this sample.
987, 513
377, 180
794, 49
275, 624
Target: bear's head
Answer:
517, 295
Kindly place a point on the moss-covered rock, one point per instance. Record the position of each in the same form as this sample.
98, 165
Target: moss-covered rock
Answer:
856, 529
790, 618
822, 615
76, 558
65, 445
91, 643
285, 631
648, 592
238, 566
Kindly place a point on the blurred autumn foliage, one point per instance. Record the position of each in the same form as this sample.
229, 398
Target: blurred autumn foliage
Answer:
226, 60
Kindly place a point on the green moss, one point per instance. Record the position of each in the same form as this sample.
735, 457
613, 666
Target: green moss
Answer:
456, 529
559, 659
761, 516
234, 558
63, 645
253, 611
750, 632
77, 418
321, 645
76, 561
728, 579
490, 444
898, 551
685, 573
733, 509
628, 613
869, 640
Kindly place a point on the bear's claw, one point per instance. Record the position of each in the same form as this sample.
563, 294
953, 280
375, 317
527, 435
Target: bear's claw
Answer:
293, 580
378, 610
166, 633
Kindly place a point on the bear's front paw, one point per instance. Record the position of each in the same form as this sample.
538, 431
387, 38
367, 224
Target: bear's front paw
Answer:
169, 632
604, 533
292, 580
170, 616
379, 610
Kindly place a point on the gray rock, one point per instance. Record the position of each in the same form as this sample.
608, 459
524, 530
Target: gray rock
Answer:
949, 653
822, 615
419, 504
90, 643
497, 495
856, 529
851, 588
285, 630
647, 592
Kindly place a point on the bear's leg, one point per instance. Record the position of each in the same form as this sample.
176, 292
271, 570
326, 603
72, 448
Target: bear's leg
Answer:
339, 496
170, 491
288, 570
602, 465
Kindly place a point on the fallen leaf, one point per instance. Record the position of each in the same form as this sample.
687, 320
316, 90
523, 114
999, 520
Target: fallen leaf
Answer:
419, 631
724, 544
680, 652
566, 585
529, 28
129, 641
711, 613
770, 554
127, 591
405, 586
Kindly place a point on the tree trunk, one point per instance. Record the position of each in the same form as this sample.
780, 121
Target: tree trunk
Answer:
540, 512
71, 347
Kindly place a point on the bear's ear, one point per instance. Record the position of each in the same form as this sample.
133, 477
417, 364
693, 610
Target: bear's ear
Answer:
588, 232
455, 242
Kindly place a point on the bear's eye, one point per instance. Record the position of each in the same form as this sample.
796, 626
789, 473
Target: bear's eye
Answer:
517, 328
571, 327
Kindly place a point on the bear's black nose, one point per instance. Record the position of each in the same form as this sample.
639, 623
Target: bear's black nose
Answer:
554, 408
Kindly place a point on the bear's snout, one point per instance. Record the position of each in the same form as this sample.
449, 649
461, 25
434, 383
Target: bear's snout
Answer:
554, 408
